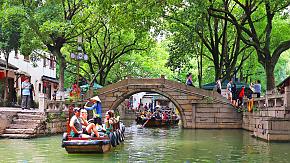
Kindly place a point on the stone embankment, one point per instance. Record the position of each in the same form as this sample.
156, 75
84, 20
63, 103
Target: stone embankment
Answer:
271, 120
26, 124
22, 124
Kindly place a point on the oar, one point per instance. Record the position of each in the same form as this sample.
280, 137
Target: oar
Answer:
146, 122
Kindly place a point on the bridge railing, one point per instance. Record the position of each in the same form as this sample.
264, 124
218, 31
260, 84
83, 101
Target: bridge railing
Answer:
273, 104
46, 105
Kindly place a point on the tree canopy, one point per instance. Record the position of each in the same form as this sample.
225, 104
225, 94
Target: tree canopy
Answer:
214, 39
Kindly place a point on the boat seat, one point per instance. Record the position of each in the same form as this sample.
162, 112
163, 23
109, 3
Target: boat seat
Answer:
91, 138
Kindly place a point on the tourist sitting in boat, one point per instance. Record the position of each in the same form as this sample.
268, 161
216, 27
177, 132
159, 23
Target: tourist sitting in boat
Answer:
164, 116
109, 122
174, 116
148, 115
96, 108
157, 115
143, 116
88, 127
76, 125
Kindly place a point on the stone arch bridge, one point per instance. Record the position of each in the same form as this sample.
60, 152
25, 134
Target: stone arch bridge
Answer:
198, 108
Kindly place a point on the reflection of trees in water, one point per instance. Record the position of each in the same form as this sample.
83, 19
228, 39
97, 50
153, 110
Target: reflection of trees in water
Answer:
19, 150
256, 150
156, 145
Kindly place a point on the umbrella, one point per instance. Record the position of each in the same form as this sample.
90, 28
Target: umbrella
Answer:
95, 86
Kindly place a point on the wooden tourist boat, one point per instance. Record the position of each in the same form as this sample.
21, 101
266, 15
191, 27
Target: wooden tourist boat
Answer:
152, 122
101, 144
93, 145
86, 145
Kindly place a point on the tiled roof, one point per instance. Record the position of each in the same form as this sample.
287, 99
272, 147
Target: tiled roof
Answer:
10, 66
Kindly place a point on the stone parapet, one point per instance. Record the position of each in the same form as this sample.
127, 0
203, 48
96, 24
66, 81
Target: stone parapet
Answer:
5, 119
271, 120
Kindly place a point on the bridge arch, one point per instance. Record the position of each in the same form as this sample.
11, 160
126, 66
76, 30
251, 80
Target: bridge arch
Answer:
128, 94
197, 107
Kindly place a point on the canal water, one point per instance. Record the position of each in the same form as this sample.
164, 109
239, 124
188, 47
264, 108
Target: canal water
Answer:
155, 145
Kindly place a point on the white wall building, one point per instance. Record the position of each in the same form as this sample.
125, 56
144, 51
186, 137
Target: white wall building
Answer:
153, 98
137, 99
42, 72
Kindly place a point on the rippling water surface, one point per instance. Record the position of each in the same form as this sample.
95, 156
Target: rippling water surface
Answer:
155, 145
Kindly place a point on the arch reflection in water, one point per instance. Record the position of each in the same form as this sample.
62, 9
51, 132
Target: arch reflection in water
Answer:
155, 145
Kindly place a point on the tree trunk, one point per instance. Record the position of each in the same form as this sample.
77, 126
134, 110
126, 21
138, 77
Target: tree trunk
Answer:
6, 80
102, 78
270, 76
217, 72
199, 61
62, 66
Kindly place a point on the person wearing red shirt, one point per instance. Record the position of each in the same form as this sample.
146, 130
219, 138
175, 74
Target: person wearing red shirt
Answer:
241, 96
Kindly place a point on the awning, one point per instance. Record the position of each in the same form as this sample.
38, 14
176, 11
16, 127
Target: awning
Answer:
95, 86
211, 86
50, 79
10, 66
19, 72
283, 82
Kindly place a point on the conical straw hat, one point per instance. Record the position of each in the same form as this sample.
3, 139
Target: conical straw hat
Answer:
96, 98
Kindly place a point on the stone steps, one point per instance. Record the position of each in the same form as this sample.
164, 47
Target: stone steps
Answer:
18, 136
30, 116
24, 125
26, 121
20, 131
31, 112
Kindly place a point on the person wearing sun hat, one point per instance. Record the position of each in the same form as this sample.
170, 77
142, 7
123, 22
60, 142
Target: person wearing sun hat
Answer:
96, 108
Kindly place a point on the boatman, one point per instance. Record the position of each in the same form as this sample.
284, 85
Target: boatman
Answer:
97, 110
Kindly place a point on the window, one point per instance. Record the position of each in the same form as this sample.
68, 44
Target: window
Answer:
44, 61
44, 87
51, 63
39, 87
16, 54
26, 58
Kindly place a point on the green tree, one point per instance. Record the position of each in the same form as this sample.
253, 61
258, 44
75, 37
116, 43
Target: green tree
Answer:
109, 43
10, 19
145, 64
257, 24
192, 23
52, 24
122, 29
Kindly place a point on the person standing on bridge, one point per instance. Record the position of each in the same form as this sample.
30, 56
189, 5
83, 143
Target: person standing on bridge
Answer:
241, 96
229, 90
257, 88
234, 95
219, 86
189, 80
